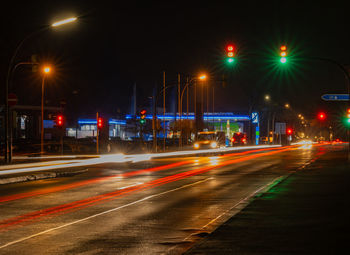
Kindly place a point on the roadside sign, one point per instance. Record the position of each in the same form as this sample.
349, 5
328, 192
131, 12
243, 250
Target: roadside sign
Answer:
12, 99
280, 128
255, 117
335, 97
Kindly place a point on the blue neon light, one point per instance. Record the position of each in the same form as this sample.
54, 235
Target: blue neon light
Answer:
223, 116
94, 122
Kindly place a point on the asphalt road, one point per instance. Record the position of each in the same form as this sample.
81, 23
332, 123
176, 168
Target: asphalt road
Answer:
159, 206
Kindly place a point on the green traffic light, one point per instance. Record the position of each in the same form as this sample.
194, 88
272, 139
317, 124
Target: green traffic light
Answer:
230, 60
283, 60
142, 121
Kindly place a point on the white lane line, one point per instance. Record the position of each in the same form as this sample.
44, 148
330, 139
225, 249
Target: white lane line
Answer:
99, 214
229, 211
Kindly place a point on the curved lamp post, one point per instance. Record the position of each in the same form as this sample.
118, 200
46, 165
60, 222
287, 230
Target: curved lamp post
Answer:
201, 78
11, 67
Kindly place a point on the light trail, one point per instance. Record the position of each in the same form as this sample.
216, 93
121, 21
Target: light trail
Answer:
65, 208
87, 182
112, 158
123, 175
101, 213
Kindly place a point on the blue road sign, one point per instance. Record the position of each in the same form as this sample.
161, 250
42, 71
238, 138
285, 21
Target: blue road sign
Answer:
255, 117
335, 97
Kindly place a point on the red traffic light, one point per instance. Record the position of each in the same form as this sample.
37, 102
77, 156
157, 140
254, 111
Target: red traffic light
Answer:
289, 131
321, 116
99, 123
230, 48
143, 112
59, 121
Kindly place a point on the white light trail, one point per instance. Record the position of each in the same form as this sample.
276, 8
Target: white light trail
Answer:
111, 158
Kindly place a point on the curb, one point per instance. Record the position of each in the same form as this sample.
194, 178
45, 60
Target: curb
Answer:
39, 176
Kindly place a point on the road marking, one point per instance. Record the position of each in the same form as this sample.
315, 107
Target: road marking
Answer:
235, 206
101, 213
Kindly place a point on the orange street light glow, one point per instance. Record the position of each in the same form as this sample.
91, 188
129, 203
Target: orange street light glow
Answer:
46, 69
63, 22
203, 77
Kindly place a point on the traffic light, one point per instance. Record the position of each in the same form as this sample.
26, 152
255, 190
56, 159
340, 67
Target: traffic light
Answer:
230, 53
289, 131
347, 119
321, 116
283, 54
143, 116
59, 121
99, 123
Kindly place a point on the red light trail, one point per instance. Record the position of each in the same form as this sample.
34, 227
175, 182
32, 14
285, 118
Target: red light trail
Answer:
65, 208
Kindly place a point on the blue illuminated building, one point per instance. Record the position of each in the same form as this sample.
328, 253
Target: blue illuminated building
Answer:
127, 128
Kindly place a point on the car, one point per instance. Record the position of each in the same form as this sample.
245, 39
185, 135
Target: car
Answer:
239, 138
209, 139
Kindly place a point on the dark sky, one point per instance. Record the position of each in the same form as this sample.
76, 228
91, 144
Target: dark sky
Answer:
114, 45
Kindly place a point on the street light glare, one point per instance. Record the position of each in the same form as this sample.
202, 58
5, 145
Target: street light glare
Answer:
203, 77
63, 22
267, 97
46, 69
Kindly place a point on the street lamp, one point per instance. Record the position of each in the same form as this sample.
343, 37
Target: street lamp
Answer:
11, 67
202, 77
64, 21
46, 70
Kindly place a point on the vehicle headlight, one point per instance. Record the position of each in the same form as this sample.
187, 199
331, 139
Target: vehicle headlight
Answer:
196, 146
213, 144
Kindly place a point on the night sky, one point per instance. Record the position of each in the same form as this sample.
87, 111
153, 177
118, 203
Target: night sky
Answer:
113, 46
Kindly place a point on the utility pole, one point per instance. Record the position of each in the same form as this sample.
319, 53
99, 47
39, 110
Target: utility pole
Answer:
42, 117
154, 119
179, 107
164, 111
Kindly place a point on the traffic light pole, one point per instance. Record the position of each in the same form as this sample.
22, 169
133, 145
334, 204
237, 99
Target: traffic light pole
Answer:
62, 134
346, 73
97, 134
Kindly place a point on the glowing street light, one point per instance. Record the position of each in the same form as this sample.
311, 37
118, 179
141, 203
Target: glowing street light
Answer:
202, 77
267, 97
46, 69
287, 106
63, 22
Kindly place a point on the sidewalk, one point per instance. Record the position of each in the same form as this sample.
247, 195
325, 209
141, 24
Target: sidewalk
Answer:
307, 213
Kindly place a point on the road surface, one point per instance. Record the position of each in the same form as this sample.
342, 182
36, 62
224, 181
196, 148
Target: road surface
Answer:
157, 206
